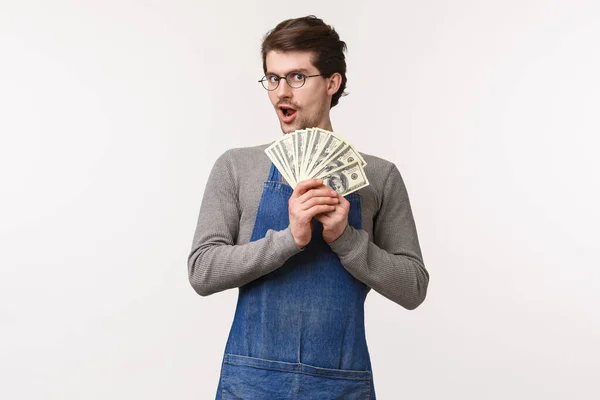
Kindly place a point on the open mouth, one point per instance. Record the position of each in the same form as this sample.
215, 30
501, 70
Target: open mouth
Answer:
287, 113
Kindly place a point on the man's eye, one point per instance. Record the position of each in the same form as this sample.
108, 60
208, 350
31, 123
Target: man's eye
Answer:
272, 78
298, 76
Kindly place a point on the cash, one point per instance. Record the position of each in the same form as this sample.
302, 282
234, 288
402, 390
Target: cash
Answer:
318, 153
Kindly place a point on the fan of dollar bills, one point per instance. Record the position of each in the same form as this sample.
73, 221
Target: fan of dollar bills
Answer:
317, 153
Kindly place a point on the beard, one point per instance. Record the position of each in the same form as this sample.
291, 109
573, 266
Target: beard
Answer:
304, 121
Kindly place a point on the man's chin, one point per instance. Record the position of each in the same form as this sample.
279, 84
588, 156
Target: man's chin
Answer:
289, 128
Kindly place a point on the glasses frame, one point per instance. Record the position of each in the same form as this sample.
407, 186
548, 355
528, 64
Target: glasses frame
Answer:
286, 80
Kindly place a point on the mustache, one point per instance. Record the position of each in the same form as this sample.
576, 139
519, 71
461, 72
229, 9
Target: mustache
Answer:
290, 105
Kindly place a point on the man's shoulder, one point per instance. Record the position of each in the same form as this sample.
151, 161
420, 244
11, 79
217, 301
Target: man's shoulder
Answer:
244, 160
375, 159
237, 154
378, 167
248, 150
377, 171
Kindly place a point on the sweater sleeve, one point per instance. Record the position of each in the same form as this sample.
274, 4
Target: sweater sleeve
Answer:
392, 265
215, 262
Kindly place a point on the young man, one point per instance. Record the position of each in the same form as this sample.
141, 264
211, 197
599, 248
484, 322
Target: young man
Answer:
303, 258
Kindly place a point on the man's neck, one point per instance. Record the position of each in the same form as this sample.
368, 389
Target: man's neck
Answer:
326, 125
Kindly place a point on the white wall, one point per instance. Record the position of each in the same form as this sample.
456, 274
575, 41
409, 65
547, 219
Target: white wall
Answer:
113, 112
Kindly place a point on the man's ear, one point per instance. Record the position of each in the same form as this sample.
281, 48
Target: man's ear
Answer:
334, 83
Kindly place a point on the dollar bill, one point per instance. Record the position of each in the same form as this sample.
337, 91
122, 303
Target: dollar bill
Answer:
318, 137
286, 146
346, 179
330, 146
345, 156
299, 138
318, 153
276, 158
306, 155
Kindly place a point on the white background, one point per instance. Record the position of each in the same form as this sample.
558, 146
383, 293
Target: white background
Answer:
113, 112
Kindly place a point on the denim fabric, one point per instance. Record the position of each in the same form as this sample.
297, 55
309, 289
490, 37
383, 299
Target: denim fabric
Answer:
298, 332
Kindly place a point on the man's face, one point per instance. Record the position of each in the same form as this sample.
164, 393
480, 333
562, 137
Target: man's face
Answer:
336, 184
309, 104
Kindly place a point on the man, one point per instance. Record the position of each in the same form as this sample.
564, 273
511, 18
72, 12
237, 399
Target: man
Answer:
303, 258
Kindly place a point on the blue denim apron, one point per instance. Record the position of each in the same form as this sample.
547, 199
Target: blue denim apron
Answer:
298, 332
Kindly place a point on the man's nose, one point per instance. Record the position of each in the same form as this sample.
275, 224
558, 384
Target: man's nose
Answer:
284, 90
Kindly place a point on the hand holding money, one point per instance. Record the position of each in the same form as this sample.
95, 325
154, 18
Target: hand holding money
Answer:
335, 222
317, 153
310, 197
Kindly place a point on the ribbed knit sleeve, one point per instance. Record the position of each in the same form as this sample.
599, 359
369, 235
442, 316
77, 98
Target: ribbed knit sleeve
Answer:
215, 262
392, 264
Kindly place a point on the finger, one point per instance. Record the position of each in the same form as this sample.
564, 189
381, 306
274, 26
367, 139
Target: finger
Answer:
305, 185
319, 209
318, 200
344, 203
318, 192
324, 218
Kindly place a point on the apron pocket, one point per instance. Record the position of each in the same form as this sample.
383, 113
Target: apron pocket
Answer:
252, 378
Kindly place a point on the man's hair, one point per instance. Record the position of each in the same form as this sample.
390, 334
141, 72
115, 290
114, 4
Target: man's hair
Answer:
310, 34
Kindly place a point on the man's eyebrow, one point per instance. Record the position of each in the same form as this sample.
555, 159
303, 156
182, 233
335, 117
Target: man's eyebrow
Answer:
303, 70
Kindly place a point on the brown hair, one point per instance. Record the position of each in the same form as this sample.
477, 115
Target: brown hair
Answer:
310, 34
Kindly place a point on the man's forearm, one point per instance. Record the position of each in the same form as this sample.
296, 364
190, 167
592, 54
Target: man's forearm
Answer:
401, 278
215, 265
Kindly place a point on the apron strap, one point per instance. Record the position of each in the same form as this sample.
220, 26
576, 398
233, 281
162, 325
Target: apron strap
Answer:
273, 174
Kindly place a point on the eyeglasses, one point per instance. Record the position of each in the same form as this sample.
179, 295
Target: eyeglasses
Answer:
294, 79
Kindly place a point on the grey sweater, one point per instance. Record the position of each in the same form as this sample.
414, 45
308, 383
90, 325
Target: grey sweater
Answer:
384, 254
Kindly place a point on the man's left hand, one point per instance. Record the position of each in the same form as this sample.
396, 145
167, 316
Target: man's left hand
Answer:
335, 222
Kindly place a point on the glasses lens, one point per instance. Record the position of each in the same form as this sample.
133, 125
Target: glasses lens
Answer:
269, 82
295, 79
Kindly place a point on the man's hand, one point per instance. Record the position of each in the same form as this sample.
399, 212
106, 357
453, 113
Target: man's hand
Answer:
335, 222
310, 197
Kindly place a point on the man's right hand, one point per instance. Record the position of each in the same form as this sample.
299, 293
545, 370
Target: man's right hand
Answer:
310, 197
